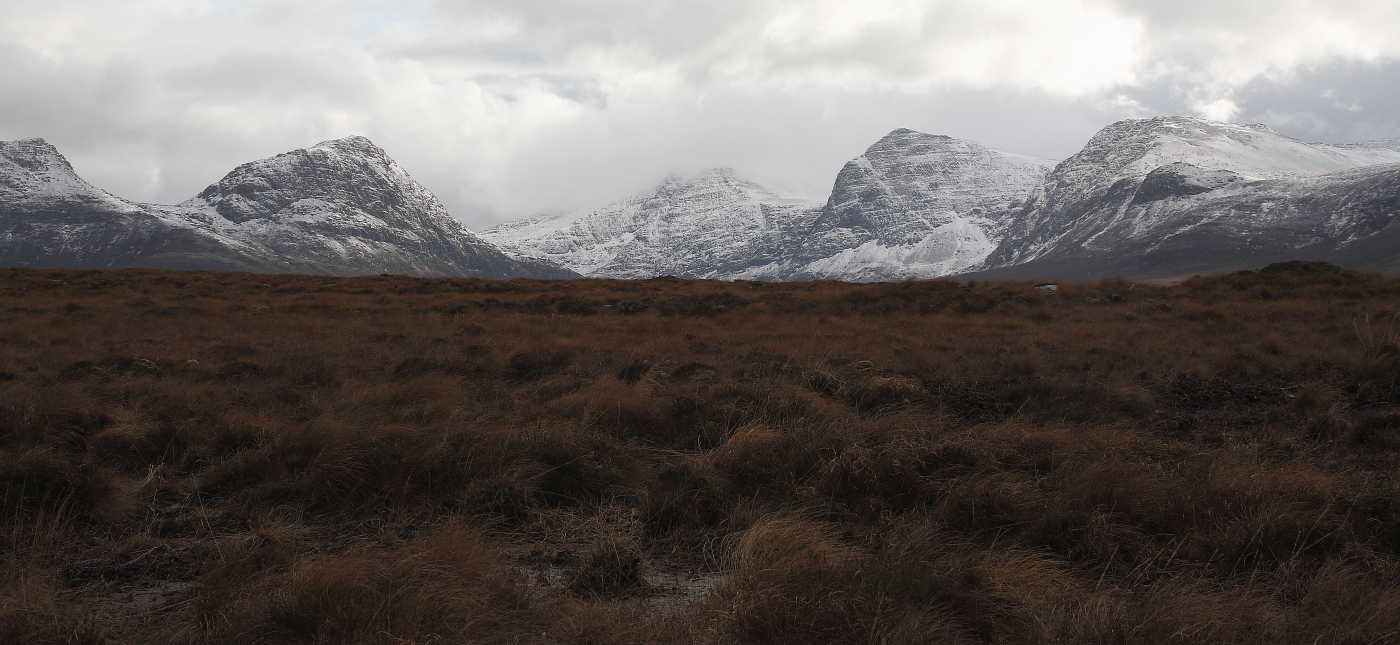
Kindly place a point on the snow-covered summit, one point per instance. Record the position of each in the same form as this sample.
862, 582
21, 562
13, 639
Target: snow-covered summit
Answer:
33, 172
348, 171
715, 224
908, 182
916, 205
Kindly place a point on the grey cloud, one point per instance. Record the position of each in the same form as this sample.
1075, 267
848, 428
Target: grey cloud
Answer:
1335, 103
584, 89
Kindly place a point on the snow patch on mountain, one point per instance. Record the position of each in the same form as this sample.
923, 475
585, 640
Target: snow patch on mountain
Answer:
945, 250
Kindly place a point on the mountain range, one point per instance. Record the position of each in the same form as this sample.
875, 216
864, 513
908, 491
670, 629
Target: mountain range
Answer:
914, 205
1144, 198
1148, 198
341, 207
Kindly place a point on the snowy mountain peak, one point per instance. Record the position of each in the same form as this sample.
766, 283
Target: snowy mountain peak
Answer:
33, 174
910, 181
714, 224
27, 164
353, 142
1140, 179
916, 205
898, 134
350, 169
34, 155
728, 185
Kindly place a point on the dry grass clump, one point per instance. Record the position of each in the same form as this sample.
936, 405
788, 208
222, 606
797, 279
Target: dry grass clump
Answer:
33, 611
611, 568
447, 587
195, 457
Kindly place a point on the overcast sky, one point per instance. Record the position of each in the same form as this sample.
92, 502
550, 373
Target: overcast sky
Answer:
505, 108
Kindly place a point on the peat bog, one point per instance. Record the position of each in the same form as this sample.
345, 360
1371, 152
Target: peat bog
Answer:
198, 457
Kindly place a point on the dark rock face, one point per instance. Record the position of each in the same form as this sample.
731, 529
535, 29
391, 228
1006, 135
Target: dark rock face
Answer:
339, 208
1176, 195
1180, 180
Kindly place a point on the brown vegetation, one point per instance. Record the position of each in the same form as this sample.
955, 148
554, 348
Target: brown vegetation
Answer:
193, 457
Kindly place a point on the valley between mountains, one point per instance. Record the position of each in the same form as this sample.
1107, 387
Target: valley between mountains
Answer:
1150, 198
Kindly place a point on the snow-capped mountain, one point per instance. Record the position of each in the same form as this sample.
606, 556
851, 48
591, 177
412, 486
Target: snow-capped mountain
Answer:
913, 205
1144, 198
1176, 195
341, 207
719, 224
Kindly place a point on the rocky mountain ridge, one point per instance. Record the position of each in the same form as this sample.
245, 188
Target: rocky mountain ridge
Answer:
341, 207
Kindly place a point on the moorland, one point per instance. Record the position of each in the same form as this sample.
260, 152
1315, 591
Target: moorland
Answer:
200, 457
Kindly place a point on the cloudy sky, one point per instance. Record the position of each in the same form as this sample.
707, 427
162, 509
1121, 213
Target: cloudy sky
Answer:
506, 108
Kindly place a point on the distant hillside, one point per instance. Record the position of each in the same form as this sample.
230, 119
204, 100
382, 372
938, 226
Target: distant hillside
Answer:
341, 207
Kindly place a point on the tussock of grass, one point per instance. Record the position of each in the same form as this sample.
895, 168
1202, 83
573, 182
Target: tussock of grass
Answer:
450, 586
33, 610
194, 457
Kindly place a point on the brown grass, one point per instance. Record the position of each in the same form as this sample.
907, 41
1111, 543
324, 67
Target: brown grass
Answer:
193, 457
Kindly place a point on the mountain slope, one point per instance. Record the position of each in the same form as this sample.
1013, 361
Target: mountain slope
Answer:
341, 207
1172, 195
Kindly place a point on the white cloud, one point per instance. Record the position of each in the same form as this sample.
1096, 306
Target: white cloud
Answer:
1331, 95
508, 107
1066, 47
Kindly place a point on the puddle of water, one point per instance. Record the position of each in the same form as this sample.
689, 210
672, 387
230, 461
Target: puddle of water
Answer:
674, 592
665, 592
143, 599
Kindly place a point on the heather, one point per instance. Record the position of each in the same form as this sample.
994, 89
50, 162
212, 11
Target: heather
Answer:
200, 457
